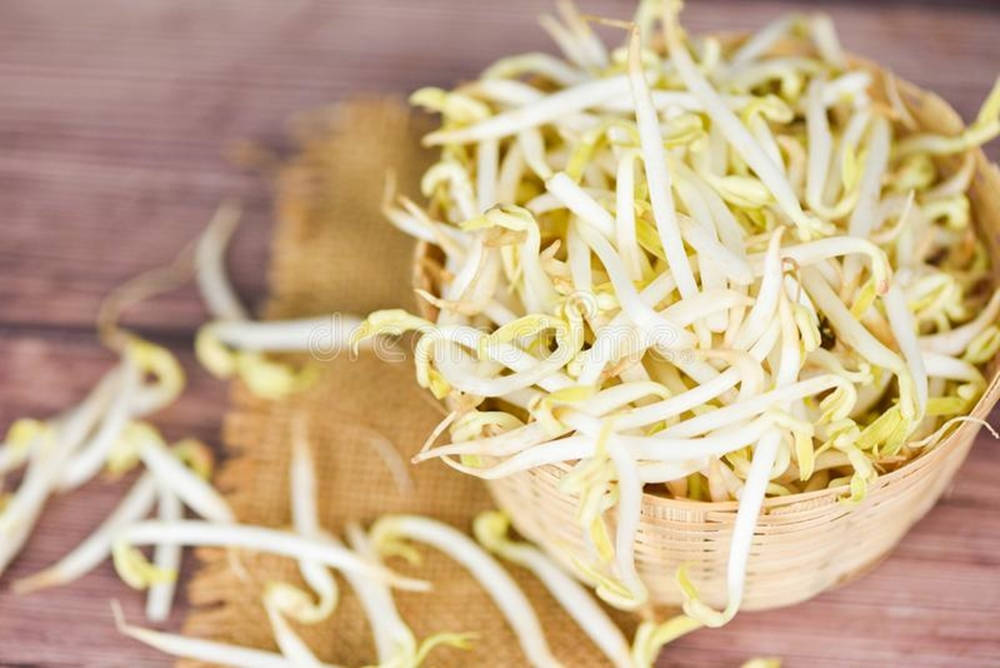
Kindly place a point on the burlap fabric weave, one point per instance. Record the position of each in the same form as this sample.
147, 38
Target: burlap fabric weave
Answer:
332, 251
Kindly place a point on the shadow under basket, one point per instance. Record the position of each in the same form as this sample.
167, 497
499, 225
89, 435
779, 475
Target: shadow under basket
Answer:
804, 543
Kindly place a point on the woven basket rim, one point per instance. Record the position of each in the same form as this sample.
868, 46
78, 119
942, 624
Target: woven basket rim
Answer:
984, 405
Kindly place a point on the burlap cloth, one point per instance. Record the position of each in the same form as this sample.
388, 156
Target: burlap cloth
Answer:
332, 251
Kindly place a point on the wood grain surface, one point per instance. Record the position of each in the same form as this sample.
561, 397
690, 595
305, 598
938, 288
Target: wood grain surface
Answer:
115, 120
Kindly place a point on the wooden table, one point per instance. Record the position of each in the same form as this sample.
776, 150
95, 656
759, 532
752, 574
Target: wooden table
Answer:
114, 120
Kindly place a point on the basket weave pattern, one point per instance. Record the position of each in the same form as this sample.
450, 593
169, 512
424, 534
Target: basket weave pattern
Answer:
804, 543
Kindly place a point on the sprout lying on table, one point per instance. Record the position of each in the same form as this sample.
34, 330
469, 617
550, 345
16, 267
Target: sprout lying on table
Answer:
68, 450
735, 271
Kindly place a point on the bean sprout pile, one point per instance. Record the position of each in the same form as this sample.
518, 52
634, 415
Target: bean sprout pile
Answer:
711, 270
714, 271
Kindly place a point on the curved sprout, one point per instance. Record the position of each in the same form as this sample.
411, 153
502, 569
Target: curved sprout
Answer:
87, 555
490, 529
193, 532
166, 558
198, 649
498, 584
210, 250
290, 644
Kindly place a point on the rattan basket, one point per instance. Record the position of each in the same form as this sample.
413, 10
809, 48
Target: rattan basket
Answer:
804, 543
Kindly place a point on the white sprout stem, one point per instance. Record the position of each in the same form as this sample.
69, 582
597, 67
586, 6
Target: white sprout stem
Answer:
760, 129
820, 145
260, 539
950, 368
498, 584
198, 649
512, 170
324, 334
669, 101
533, 145
577, 200
210, 256
702, 393
958, 183
450, 173
539, 294
730, 232
657, 176
574, 599
955, 341
85, 464
544, 111
751, 497
15, 456
628, 516
305, 518
197, 494
818, 251
543, 64
714, 256
487, 160
393, 638
845, 151
764, 39
677, 404
766, 301
752, 407
302, 481
735, 132
751, 75
597, 357
847, 85
565, 40
96, 547
645, 448
414, 221
825, 38
625, 234
904, 328
713, 259
590, 44
849, 330
501, 445
578, 258
528, 369
751, 500
863, 217
661, 472
291, 645
613, 398
166, 559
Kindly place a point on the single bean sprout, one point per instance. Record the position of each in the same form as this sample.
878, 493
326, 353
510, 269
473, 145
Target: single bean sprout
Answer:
132, 567
166, 558
199, 649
